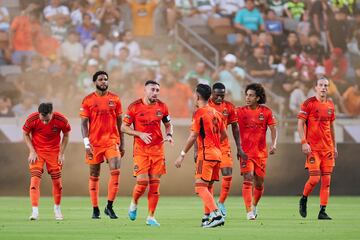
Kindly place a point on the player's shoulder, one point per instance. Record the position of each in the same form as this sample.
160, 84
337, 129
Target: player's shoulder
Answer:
160, 103
60, 117
265, 108
309, 101
229, 104
135, 103
88, 97
32, 117
113, 95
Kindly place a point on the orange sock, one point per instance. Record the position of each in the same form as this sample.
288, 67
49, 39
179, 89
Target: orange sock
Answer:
113, 185
310, 184
153, 195
208, 200
225, 188
56, 187
35, 188
139, 189
211, 190
94, 190
258, 192
247, 193
325, 189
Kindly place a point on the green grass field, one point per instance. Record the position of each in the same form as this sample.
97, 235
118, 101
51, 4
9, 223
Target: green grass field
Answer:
180, 219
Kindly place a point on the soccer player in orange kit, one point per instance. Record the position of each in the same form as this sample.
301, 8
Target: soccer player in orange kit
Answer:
146, 115
254, 119
316, 126
101, 129
208, 131
229, 116
42, 133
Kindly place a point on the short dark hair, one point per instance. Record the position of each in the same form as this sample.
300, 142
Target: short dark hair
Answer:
218, 85
204, 91
151, 82
45, 108
98, 73
259, 91
322, 77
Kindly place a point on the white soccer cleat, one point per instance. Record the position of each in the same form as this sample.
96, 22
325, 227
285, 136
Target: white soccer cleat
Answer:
250, 216
35, 214
254, 210
58, 214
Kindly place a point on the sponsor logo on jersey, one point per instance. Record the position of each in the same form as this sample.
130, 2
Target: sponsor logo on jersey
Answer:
158, 113
261, 117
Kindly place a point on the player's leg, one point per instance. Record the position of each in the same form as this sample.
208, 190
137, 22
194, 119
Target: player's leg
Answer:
225, 188
113, 184
141, 171
325, 192
205, 218
36, 170
247, 170
313, 165
153, 198
94, 189
258, 191
54, 169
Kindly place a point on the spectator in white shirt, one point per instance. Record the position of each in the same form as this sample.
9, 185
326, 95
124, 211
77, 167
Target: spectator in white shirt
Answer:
106, 47
55, 11
130, 43
71, 49
228, 8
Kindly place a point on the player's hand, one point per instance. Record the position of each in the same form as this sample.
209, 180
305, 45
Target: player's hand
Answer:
122, 151
306, 148
61, 158
336, 154
272, 149
146, 137
179, 161
32, 157
169, 139
89, 152
241, 155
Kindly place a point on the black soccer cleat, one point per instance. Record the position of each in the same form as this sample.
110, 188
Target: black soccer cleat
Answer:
323, 216
216, 221
204, 220
96, 213
303, 207
110, 212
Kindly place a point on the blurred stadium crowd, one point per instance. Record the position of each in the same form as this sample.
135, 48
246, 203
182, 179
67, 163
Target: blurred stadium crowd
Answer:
50, 49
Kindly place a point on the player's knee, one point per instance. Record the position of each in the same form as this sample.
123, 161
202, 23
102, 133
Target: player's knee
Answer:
249, 177
314, 180
226, 171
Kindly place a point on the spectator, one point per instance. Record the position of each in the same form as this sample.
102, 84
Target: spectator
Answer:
23, 33
249, 19
303, 29
292, 48
87, 30
317, 51
177, 9
5, 107
241, 49
147, 59
272, 24
174, 60
338, 30
259, 68
128, 42
71, 49
26, 106
121, 62
205, 8
299, 95
46, 45
4, 19
320, 14
228, 8
336, 67
351, 96
198, 75
266, 46
59, 29
231, 76
348, 5
82, 7
278, 6
95, 55
84, 81
295, 9
106, 47
143, 16
306, 65
54, 11
110, 18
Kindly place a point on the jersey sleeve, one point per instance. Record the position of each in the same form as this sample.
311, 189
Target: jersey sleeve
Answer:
332, 118
85, 110
66, 128
129, 116
232, 117
118, 109
271, 121
28, 126
166, 117
304, 111
195, 125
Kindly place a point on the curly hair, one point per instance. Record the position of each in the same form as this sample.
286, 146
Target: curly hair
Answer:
259, 91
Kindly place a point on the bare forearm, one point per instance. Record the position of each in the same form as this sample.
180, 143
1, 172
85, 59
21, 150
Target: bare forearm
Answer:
236, 134
169, 128
301, 129
64, 143
129, 131
28, 142
274, 134
189, 143
332, 129
85, 127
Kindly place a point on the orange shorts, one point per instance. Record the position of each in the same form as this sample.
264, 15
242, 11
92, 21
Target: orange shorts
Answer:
257, 166
149, 160
100, 154
48, 158
318, 160
226, 160
207, 170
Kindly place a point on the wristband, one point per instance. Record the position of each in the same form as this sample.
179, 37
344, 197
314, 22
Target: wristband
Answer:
169, 134
182, 153
303, 141
86, 142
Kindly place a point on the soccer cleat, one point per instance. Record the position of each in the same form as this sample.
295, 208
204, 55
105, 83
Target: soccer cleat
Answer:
152, 222
323, 216
110, 212
132, 214
96, 213
34, 217
303, 207
215, 221
58, 214
222, 209
254, 210
204, 220
250, 216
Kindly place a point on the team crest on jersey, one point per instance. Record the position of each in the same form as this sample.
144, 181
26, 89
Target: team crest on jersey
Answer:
158, 113
225, 112
261, 117
312, 160
329, 111
111, 103
54, 129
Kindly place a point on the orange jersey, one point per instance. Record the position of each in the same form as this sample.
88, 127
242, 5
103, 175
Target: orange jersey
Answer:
253, 124
46, 137
318, 117
228, 114
207, 122
147, 118
102, 112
